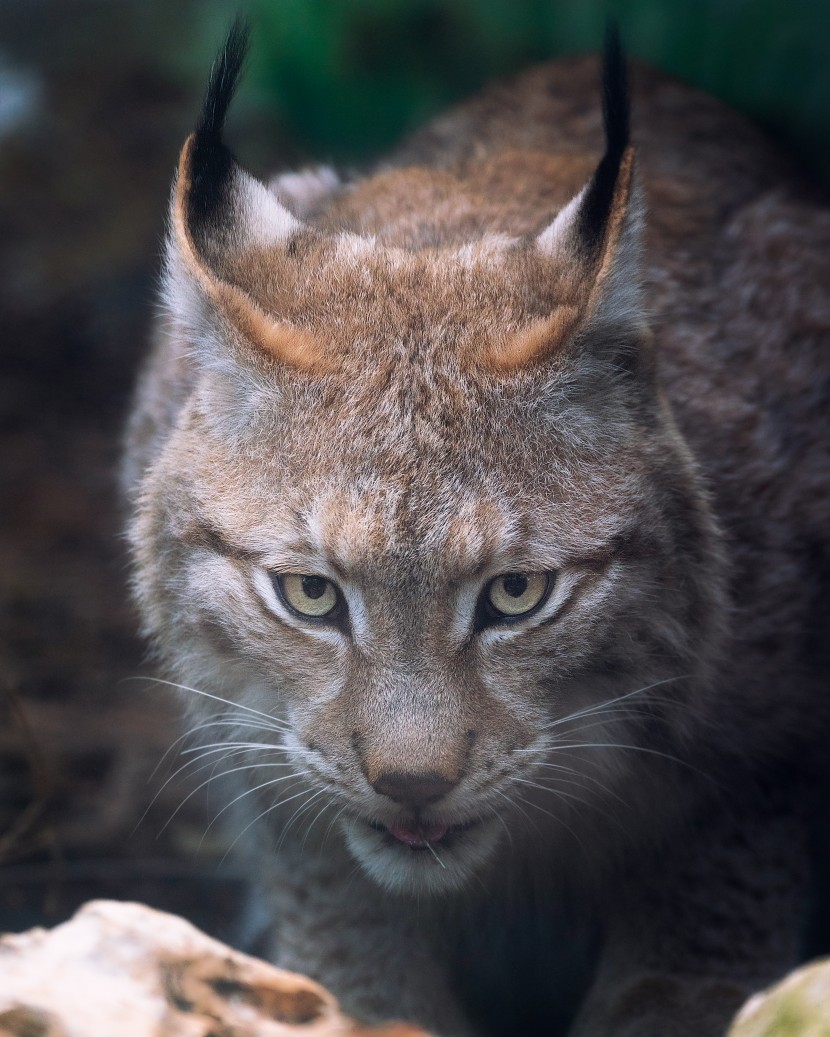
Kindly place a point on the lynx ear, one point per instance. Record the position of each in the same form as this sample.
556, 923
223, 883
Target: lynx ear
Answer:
594, 240
219, 212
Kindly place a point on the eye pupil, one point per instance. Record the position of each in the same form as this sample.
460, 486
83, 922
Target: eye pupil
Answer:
307, 594
314, 587
515, 584
515, 594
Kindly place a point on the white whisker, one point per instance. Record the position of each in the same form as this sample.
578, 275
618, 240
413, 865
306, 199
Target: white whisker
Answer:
215, 777
514, 805
215, 747
646, 750
592, 778
560, 820
434, 853
551, 789
301, 809
279, 725
326, 806
224, 753
264, 813
601, 706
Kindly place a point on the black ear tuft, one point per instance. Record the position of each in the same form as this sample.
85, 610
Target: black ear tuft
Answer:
224, 79
616, 109
211, 162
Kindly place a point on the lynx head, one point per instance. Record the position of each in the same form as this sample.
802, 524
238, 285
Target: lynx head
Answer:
424, 515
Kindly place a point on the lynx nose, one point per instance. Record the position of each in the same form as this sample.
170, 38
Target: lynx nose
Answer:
413, 790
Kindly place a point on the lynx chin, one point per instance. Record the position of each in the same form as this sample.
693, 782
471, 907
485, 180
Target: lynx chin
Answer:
479, 506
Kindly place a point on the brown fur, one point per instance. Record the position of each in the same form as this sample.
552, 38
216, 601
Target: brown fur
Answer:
431, 382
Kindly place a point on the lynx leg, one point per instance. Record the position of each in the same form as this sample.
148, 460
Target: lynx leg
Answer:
702, 930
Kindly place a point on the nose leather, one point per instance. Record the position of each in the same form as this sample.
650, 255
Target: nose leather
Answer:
413, 789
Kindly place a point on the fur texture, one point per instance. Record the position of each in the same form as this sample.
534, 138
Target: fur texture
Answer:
480, 365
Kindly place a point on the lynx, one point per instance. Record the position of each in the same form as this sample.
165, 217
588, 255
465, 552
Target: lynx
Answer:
478, 508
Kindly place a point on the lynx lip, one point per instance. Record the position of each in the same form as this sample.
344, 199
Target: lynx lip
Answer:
418, 838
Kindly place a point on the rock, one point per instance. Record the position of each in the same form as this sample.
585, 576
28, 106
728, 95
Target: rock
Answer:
126, 969
798, 1006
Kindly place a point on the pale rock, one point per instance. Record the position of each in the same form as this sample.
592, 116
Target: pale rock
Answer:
798, 1006
126, 969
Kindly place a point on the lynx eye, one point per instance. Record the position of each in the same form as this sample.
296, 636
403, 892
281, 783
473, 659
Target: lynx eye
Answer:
309, 595
514, 594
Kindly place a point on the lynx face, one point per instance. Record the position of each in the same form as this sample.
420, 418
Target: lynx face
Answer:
424, 517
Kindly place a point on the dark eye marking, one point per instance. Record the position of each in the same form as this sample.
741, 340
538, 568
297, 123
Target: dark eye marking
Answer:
206, 536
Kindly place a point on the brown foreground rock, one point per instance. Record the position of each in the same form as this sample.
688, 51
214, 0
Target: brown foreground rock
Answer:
126, 969
798, 1006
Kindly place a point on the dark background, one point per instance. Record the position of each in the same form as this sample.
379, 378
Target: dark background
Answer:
95, 99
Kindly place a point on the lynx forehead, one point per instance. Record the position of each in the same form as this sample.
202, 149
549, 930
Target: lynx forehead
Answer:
457, 503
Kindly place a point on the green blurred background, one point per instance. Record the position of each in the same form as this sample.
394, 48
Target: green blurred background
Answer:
346, 77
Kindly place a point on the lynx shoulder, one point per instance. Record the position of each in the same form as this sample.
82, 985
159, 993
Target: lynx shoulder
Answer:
483, 501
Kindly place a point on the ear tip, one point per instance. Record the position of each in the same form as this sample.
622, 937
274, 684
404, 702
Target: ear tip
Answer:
205, 163
616, 106
224, 79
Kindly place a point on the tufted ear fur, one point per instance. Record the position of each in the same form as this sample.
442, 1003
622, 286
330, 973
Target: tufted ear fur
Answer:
223, 220
219, 212
593, 243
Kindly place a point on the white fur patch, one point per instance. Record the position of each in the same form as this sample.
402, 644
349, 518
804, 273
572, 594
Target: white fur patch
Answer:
301, 191
262, 219
558, 232
492, 249
352, 248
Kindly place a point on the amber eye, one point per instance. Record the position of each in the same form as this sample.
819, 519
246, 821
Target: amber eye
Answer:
309, 595
514, 594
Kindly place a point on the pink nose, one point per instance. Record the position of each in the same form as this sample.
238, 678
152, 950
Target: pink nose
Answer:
413, 790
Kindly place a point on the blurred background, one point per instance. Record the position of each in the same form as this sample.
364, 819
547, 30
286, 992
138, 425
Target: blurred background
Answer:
96, 96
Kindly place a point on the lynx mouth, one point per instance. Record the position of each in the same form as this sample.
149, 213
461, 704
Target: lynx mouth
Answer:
422, 859
421, 837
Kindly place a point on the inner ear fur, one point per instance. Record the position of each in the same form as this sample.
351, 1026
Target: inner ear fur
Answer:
596, 280
202, 238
